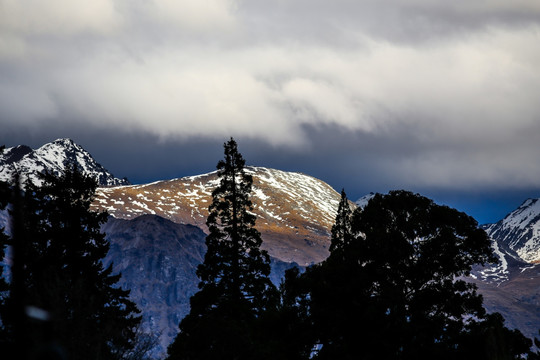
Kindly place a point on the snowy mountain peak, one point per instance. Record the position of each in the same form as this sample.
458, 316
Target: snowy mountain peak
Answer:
53, 157
519, 232
67, 142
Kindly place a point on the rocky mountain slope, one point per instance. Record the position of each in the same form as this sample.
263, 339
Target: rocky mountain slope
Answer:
158, 259
517, 298
294, 211
52, 157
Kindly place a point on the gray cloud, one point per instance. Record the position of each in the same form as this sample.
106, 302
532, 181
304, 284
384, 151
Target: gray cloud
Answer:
422, 93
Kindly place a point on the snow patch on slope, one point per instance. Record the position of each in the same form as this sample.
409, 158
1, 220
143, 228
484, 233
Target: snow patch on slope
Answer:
363, 201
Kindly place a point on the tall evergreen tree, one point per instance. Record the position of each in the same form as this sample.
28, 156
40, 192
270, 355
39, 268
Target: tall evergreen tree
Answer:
235, 288
341, 230
74, 304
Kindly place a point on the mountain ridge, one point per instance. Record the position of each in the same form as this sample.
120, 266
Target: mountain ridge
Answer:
295, 212
519, 231
52, 157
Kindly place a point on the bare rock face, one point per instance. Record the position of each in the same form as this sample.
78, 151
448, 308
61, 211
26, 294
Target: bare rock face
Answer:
158, 260
295, 212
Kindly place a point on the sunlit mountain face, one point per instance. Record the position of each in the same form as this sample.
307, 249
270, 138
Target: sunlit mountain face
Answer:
294, 211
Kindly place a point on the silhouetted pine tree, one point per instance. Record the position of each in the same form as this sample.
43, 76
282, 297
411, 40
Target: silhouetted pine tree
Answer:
341, 230
304, 323
74, 304
234, 289
337, 290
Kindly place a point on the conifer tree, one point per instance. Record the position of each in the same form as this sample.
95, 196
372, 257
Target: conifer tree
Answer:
235, 288
341, 230
82, 313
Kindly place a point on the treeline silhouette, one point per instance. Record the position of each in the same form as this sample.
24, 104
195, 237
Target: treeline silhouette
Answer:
61, 303
393, 286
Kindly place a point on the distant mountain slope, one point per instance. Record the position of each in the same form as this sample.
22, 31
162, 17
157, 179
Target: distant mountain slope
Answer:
512, 285
517, 298
295, 211
52, 157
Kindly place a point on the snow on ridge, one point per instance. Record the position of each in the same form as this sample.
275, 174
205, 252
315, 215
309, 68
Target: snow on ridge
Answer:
275, 193
499, 253
520, 231
363, 201
495, 273
305, 187
53, 157
523, 215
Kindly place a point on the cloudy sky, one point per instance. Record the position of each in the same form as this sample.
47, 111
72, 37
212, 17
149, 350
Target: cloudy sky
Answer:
438, 97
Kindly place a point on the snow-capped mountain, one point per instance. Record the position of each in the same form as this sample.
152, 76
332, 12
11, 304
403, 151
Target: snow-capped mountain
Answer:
512, 285
518, 234
52, 157
295, 212
515, 242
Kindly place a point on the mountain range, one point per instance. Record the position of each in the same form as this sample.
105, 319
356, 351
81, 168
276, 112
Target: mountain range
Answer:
157, 234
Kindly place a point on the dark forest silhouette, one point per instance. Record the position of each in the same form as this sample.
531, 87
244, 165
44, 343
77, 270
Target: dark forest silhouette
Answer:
62, 303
